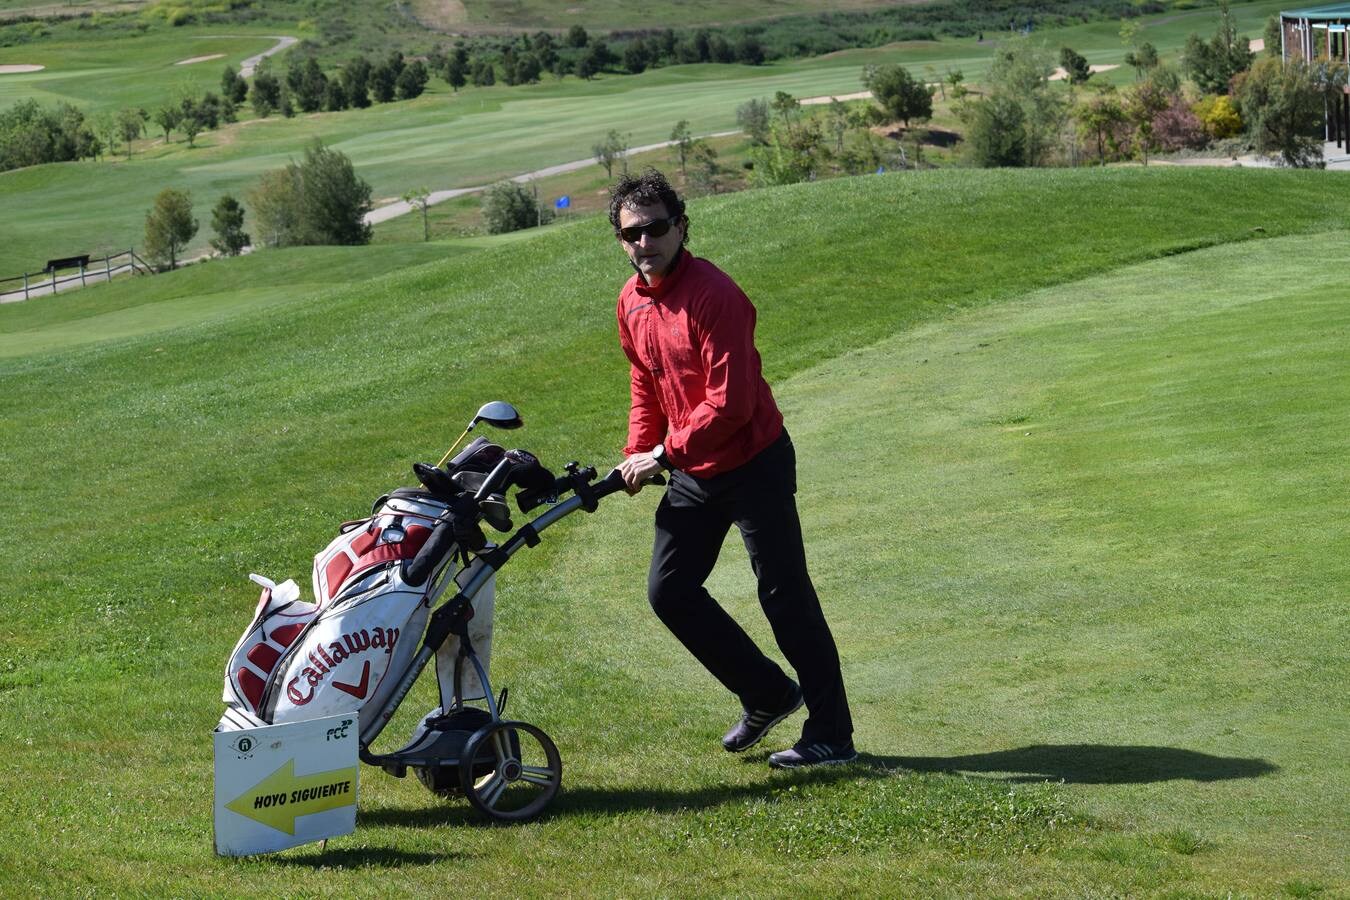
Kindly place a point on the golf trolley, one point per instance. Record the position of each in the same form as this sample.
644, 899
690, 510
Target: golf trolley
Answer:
380, 585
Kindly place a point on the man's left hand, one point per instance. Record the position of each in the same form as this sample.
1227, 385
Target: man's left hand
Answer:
636, 469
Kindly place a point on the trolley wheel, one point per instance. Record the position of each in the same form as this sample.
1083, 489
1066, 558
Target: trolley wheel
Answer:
523, 777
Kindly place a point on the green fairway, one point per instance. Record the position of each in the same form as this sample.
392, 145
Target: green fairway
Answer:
441, 140
1070, 478
141, 70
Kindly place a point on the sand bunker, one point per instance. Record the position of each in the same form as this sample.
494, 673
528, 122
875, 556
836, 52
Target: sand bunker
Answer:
1060, 74
17, 69
815, 101
197, 59
1256, 45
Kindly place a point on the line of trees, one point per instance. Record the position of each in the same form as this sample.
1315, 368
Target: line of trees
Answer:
318, 200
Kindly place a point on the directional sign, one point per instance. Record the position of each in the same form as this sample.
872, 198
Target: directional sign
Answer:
282, 785
282, 797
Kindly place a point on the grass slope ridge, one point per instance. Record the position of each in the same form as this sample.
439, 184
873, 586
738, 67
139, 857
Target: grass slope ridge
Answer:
965, 600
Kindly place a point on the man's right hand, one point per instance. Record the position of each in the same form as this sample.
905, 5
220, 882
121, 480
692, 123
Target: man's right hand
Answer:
636, 469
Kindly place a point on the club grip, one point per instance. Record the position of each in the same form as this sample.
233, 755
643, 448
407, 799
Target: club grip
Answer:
419, 568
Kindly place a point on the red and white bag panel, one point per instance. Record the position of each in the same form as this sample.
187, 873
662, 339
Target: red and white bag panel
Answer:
340, 663
279, 619
397, 529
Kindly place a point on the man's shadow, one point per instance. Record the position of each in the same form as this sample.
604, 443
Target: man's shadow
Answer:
1089, 764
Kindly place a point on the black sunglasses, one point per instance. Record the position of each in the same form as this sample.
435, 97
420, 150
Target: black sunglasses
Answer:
633, 233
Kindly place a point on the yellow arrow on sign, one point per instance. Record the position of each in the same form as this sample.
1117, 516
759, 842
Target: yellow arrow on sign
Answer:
281, 798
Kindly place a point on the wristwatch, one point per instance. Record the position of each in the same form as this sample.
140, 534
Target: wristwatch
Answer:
659, 454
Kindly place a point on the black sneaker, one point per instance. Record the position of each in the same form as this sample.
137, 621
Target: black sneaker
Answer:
755, 723
804, 755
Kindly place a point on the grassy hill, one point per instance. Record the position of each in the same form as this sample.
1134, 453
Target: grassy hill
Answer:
1070, 460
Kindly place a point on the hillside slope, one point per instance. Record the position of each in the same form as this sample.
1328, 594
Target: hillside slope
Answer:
1032, 498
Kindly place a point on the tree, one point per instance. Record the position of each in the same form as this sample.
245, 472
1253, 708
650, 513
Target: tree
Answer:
610, 151
419, 198
167, 118
1075, 65
383, 82
636, 57
355, 79
484, 73
190, 120
307, 84
1282, 104
276, 204
335, 96
1142, 59
412, 81
334, 199
457, 68
577, 36
793, 154
787, 107
1102, 118
684, 141
597, 58
227, 221
320, 200
1020, 120
955, 77
110, 133
1142, 105
232, 87
902, 95
706, 177
129, 125
508, 206
749, 50
1274, 37
996, 132
1212, 64
169, 226
266, 97
753, 117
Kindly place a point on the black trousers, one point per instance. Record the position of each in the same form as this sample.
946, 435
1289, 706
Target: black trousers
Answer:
692, 521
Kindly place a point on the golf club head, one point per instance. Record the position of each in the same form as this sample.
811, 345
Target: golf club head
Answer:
499, 414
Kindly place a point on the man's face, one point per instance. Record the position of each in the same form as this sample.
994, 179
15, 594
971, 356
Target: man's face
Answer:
651, 255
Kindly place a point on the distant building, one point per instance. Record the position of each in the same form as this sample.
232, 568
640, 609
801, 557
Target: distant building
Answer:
1319, 33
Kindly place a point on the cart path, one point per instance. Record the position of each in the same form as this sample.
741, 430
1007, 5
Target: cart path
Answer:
250, 65
401, 208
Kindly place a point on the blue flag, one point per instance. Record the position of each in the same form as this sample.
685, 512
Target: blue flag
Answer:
881, 170
562, 202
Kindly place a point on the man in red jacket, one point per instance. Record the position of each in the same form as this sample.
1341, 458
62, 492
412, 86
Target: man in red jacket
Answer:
702, 411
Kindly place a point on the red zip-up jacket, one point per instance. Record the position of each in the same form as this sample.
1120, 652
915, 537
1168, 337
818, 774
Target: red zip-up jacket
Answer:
697, 386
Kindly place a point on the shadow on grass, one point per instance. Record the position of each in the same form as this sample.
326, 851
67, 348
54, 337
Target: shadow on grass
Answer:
588, 800
367, 857
1089, 764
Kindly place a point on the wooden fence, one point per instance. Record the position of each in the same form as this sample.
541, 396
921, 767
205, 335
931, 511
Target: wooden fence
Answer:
48, 281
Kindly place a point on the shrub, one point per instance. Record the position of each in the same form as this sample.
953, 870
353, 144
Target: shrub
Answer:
1219, 116
1177, 127
509, 206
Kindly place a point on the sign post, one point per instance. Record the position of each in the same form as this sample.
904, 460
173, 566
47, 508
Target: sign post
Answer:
278, 786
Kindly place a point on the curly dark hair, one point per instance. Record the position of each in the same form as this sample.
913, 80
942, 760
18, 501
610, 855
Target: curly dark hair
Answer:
647, 189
